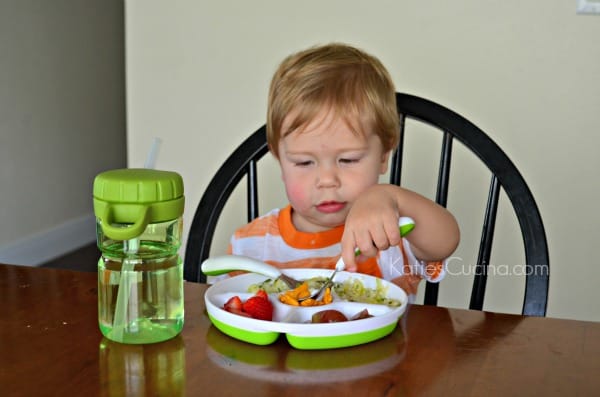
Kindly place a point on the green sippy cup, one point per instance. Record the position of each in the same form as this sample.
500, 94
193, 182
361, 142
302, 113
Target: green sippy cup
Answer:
140, 274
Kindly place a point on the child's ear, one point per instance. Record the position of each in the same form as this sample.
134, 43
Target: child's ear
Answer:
385, 157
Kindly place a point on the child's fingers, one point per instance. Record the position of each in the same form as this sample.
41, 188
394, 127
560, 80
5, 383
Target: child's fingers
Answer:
352, 269
392, 232
349, 259
364, 241
380, 238
348, 247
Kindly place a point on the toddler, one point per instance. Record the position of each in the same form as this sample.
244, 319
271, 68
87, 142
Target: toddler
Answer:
332, 123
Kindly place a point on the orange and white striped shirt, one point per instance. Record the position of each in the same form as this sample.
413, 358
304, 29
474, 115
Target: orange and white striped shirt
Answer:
272, 238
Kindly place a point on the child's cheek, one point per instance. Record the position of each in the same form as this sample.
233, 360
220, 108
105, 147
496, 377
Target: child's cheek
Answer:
297, 195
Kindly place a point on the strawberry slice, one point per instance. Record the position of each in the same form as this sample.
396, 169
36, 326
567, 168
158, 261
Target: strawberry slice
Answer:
259, 308
233, 304
261, 294
239, 313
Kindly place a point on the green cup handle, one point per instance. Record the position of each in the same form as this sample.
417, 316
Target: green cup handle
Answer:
128, 232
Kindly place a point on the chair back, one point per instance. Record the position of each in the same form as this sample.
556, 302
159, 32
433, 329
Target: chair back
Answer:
503, 175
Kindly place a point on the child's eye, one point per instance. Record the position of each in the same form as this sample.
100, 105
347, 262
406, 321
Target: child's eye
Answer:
348, 161
302, 163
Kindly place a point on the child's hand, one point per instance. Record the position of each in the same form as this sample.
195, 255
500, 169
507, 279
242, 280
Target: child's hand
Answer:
357, 259
371, 225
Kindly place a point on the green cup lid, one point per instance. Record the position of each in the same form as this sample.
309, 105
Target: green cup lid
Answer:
127, 200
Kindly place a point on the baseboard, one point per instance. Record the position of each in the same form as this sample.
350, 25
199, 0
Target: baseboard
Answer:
44, 246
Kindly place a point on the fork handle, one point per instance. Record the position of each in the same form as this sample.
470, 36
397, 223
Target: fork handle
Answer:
227, 263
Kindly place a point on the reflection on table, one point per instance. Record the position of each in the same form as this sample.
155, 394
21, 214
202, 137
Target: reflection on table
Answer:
273, 364
140, 370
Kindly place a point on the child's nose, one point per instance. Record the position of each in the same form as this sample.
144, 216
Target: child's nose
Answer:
328, 177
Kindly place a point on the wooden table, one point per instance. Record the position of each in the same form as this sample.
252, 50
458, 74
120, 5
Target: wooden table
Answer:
50, 345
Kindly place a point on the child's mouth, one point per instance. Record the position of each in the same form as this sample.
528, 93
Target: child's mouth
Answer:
329, 207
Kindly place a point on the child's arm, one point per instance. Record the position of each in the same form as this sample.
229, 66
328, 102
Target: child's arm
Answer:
372, 225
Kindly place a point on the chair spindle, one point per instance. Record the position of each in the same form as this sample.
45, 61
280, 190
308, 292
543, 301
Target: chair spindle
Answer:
485, 246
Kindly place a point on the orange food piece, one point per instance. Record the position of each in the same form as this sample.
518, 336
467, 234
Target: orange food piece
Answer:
309, 302
287, 299
293, 297
327, 298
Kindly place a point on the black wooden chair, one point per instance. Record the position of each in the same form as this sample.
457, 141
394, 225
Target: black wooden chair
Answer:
504, 175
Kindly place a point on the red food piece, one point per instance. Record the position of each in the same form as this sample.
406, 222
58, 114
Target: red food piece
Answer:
234, 303
362, 314
239, 312
328, 316
259, 308
261, 294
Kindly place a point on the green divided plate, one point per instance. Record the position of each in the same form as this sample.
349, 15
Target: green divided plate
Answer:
293, 321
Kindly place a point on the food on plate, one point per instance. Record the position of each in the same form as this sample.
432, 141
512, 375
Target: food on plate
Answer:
270, 286
328, 316
295, 296
277, 285
335, 316
234, 305
353, 290
361, 314
257, 306
299, 292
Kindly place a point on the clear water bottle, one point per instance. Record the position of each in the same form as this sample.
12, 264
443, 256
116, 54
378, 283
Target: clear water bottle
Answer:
140, 274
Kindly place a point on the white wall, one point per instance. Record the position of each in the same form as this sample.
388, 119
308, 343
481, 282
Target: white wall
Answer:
525, 72
62, 121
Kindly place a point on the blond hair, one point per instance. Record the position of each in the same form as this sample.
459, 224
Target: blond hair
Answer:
352, 83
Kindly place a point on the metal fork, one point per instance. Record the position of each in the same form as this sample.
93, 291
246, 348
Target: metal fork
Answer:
405, 224
317, 294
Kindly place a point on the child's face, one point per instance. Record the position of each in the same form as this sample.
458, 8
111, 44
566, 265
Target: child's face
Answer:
325, 167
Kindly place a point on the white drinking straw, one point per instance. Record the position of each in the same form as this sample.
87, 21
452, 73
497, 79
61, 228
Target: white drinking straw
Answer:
153, 154
130, 247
